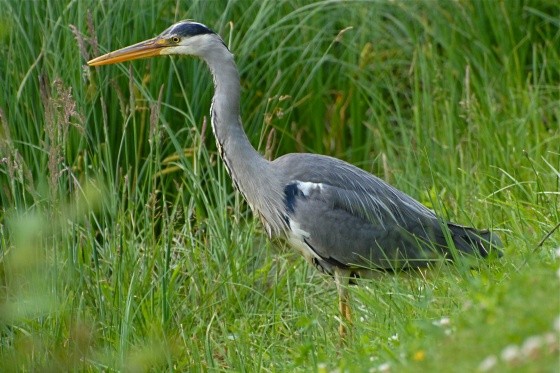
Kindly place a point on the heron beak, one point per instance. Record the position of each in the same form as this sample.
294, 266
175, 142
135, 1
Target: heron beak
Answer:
147, 48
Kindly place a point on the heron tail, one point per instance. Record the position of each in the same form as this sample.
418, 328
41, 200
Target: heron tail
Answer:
470, 240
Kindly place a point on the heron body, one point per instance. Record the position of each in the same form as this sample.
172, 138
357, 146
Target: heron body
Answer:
345, 221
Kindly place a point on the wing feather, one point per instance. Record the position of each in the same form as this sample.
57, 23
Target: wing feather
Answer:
355, 218
347, 227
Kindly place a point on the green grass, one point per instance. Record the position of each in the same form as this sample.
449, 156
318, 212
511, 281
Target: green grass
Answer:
124, 247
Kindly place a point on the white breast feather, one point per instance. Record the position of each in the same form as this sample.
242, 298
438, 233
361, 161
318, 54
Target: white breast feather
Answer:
297, 237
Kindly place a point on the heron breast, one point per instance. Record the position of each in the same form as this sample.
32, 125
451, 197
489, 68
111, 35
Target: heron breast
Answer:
296, 238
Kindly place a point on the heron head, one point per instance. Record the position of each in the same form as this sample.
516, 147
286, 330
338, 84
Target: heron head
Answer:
184, 37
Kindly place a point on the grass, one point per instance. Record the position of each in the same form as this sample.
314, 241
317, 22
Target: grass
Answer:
124, 247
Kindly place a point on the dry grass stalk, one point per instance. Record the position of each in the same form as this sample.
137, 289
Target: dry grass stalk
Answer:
60, 107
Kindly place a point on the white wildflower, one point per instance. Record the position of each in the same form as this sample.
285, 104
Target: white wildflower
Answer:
511, 354
551, 341
531, 346
444, 321
488, 363
385, 367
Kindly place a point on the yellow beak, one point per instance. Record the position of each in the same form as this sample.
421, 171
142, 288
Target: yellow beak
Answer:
147, 48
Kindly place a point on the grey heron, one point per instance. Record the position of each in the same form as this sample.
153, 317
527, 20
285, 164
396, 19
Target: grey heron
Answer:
345, 221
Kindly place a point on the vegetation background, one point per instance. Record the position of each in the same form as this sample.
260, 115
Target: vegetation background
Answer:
124, 247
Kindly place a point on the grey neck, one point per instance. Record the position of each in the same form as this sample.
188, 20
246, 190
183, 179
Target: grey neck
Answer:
252, 174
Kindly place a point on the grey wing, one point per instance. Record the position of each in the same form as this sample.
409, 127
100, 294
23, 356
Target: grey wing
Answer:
353, 228
349, 217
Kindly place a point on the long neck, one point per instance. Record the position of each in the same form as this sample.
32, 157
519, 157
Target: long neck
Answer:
250, 171
234, 146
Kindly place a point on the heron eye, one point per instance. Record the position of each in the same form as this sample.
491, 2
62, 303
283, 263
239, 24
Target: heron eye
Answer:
175, 39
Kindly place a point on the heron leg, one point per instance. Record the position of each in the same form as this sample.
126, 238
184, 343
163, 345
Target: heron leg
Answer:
342, 280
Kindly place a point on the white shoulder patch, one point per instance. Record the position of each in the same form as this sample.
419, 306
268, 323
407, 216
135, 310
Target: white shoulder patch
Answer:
307, 187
